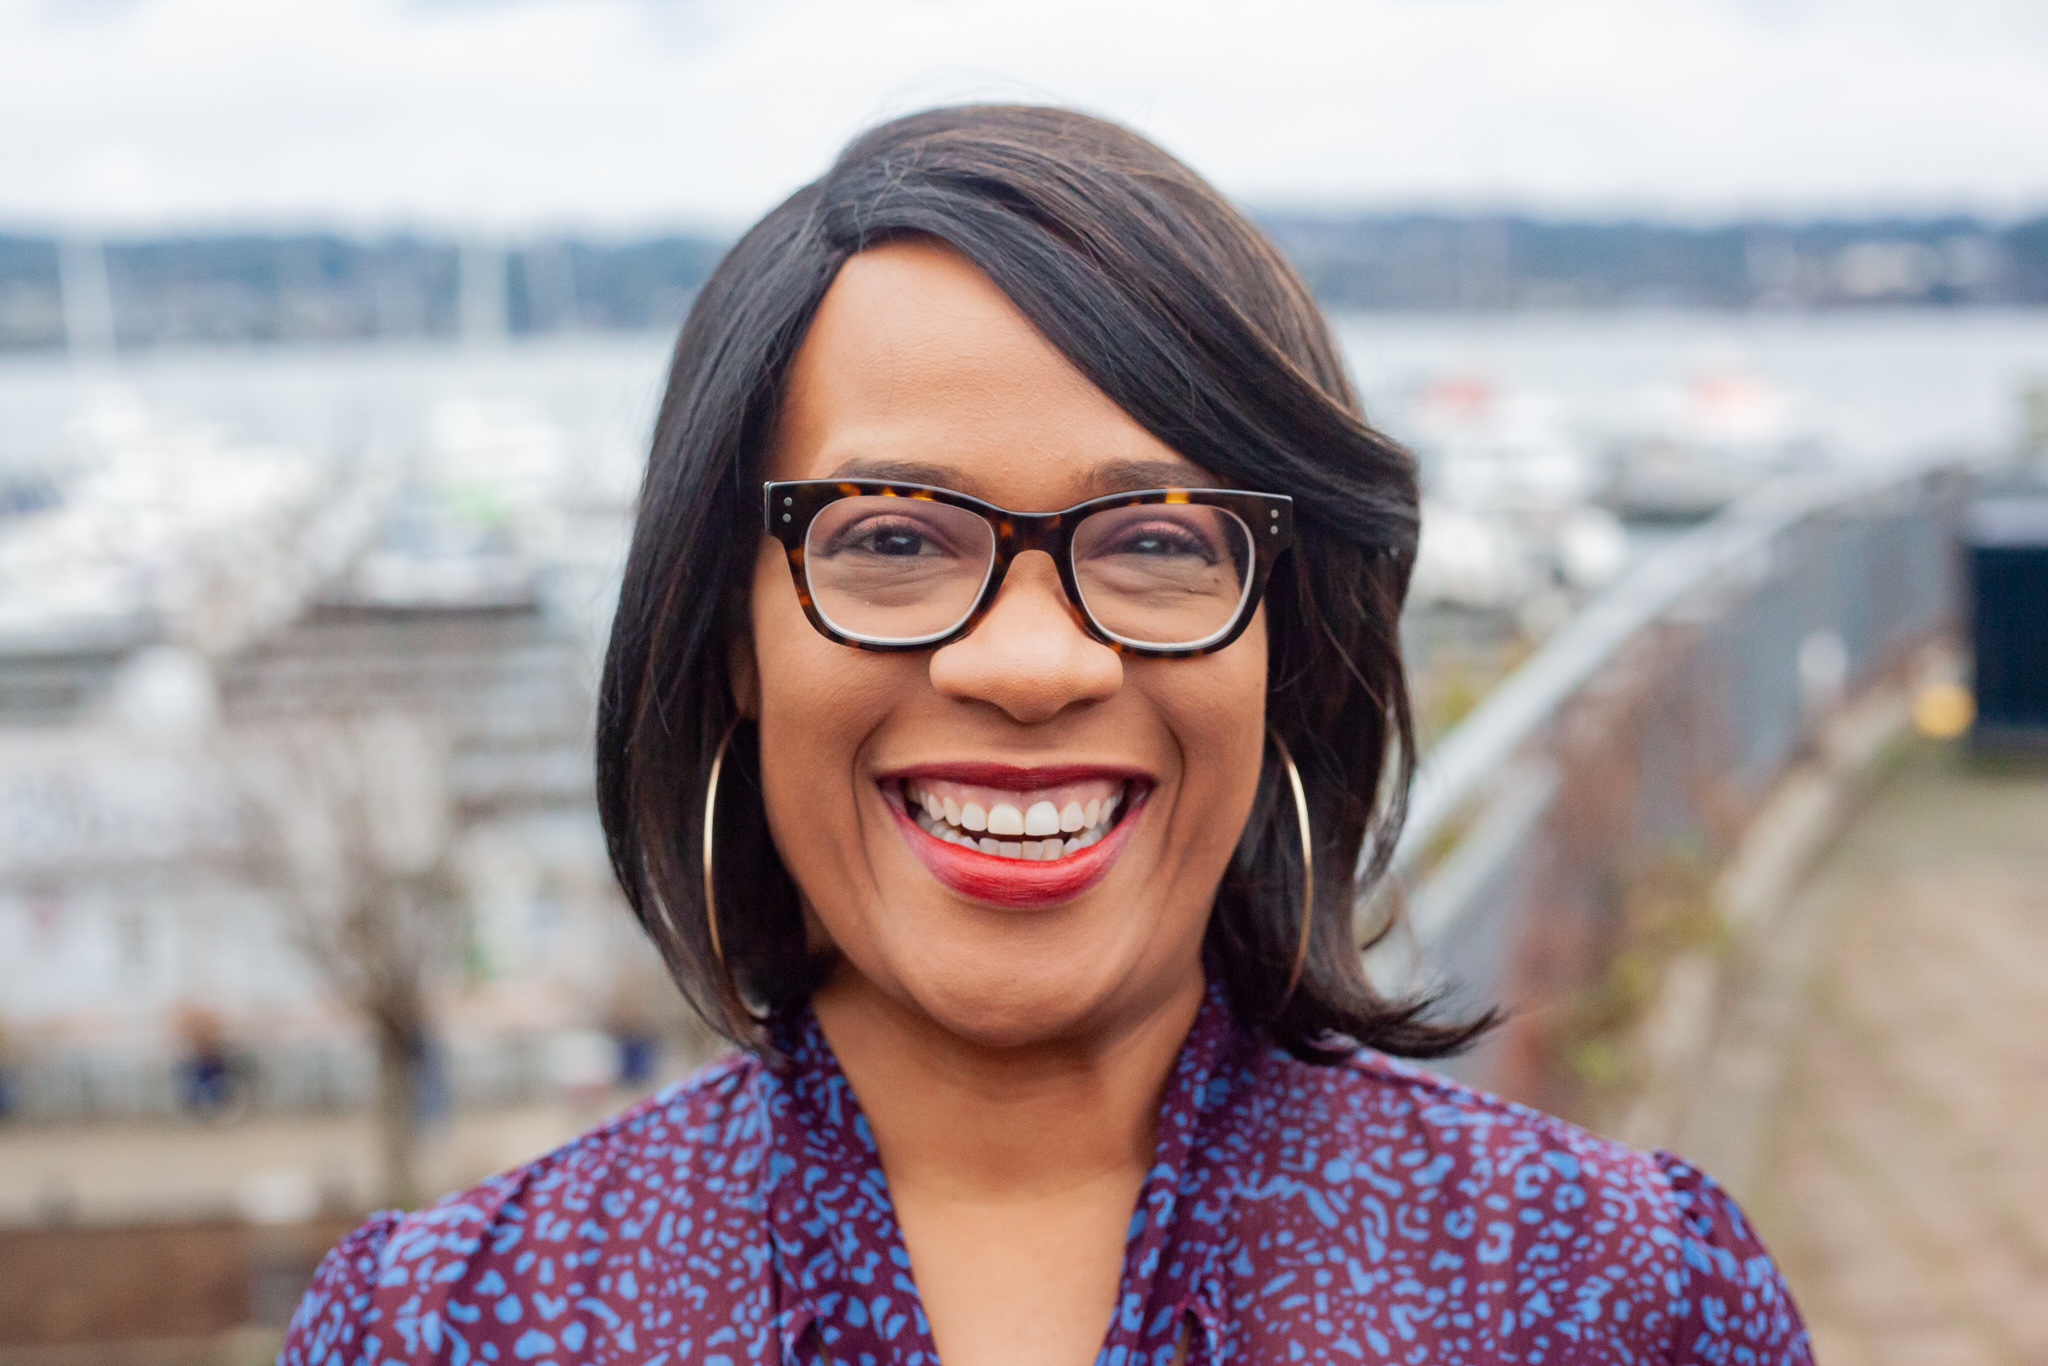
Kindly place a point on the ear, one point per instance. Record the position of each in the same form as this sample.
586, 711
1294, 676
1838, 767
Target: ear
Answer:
743, 672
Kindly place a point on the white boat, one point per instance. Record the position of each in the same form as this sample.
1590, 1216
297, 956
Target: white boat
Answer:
1690, 450
1507, 517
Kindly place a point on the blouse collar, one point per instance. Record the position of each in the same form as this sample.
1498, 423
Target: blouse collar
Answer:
842, 1274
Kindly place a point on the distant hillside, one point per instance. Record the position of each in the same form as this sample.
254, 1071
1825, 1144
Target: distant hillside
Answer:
328, 287
1435, 262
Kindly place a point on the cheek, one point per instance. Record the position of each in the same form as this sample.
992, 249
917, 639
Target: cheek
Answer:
818, 702
794, 664
1215, 708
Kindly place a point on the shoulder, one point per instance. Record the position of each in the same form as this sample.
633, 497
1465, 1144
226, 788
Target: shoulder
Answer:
587, 1249
1454, 1205
1387, 1131
1432, 1132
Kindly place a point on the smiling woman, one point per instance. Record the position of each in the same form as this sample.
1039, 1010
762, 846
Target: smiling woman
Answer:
1004, 684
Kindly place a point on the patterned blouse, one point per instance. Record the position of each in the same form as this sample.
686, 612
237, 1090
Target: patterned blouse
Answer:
1358, 1213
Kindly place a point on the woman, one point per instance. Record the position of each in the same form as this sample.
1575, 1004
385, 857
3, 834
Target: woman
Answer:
1012, 604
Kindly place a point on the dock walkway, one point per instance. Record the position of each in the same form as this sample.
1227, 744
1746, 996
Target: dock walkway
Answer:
1879, 1095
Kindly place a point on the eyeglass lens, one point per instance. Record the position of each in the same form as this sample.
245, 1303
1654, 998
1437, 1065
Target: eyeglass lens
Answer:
900, 571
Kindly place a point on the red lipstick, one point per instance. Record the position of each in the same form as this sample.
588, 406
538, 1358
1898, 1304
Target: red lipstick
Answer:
1017, 779
1017, 884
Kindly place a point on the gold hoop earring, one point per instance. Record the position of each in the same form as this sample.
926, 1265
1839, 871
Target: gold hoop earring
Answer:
710, 887
1308, 869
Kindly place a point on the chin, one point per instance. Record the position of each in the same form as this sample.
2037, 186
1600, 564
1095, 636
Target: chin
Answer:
1020, 1020
1071, 994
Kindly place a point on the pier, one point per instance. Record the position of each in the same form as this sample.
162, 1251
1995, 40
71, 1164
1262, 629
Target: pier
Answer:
1736, 906
1874, 1093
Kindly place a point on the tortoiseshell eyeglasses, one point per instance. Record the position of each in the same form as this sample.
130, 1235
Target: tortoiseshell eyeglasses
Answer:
1164, 573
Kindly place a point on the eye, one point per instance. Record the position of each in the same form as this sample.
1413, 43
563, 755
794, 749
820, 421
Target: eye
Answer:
893, 540
888, 537
1161, 537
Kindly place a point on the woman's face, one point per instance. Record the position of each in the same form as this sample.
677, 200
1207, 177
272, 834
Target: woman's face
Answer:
917, 369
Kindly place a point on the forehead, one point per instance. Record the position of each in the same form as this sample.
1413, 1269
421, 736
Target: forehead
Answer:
916, 361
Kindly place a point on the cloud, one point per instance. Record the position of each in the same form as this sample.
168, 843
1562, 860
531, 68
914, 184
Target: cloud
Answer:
521, 115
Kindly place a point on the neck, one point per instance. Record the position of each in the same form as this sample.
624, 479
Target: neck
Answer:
958, 1120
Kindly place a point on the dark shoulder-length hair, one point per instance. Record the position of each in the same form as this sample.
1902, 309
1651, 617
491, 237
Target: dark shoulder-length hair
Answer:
1179, 310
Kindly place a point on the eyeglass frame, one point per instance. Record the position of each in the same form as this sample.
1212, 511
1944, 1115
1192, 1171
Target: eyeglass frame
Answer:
788, 507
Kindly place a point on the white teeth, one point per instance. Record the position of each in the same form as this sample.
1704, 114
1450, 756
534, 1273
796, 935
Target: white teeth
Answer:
995, 828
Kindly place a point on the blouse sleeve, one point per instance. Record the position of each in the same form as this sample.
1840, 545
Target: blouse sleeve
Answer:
336, 1323
1738, 1307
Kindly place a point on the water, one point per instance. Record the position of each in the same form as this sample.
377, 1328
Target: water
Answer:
1871, 385
345, 402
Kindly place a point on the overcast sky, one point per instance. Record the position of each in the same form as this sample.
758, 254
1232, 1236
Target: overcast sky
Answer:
524, 116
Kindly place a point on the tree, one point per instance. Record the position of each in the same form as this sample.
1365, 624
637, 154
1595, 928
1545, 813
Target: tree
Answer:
349, 821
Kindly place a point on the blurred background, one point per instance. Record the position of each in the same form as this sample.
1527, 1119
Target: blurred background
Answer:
331, 335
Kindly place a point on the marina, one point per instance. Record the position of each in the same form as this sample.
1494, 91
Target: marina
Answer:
1394, 706
219, 540
1673, 583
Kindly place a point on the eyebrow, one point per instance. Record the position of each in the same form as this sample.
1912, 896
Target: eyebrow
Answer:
1113, 476
1129, 476
885, 471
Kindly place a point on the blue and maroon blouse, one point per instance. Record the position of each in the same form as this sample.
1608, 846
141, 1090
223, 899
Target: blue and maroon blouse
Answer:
1364, 1212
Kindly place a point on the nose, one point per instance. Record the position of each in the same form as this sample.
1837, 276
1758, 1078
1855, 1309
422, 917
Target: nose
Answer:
1028, 657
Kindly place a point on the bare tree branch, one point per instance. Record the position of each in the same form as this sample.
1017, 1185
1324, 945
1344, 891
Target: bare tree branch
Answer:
349, 820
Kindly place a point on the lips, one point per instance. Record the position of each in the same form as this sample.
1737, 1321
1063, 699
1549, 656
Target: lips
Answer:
1020, 838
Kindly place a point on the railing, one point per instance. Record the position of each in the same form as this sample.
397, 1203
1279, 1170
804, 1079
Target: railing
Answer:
1656, 721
